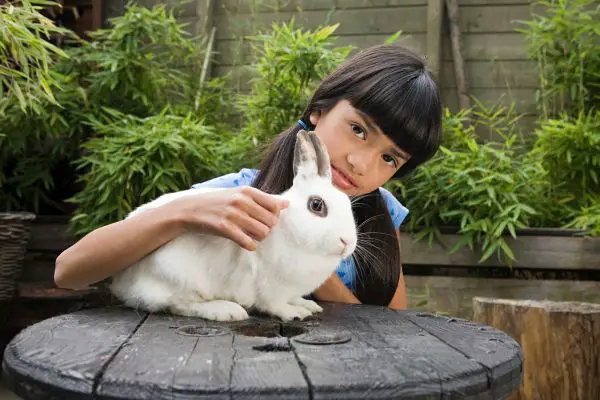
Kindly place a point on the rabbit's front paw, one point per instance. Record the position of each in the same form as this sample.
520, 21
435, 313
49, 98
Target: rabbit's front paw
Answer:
308, 304
215, 310
288, 312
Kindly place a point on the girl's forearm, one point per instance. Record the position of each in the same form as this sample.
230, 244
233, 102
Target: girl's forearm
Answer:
110, 249
334, 290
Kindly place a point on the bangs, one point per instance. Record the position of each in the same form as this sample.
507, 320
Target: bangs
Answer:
391, 85
405, 104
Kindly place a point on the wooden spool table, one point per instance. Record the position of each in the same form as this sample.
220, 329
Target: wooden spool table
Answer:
348, 351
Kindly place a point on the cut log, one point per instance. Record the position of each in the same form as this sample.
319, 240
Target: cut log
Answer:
560, 342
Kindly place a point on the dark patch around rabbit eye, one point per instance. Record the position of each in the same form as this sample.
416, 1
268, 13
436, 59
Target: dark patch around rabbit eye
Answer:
317, 206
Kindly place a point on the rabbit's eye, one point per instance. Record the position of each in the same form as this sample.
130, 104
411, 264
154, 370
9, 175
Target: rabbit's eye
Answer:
317, 206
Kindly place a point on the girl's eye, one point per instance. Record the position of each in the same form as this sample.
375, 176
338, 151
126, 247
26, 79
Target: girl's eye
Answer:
358, 131
390, 160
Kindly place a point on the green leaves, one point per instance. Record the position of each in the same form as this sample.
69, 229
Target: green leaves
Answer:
26, 56
289, 62
488, 189
563, 40
143, 62
569, 149
135, 160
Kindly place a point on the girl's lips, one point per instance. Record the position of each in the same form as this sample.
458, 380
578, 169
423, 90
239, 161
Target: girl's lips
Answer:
340, 180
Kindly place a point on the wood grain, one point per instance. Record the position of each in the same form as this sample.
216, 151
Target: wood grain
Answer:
385, 355
386, 349
486, 346
496, 47
64, 356
435, 23
411, 18
246, 7
146, 366
454, 295
263, 374
546, 252
353, 21
464, 100
560, 341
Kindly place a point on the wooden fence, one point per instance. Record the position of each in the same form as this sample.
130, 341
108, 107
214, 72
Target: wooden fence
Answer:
496, 62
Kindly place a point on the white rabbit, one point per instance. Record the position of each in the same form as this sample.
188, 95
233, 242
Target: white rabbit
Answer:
214, 278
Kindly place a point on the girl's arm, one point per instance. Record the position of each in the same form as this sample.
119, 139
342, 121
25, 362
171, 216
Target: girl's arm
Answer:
334, 290
399, 300
242, 214
109, 249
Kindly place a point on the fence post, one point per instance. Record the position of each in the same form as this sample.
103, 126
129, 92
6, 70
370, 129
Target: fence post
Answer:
435, 18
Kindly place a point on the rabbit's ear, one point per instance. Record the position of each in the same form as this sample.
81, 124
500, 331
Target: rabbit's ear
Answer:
323, 163
310, 157
305, 156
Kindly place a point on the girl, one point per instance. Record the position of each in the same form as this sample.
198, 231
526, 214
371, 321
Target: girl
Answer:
379, 116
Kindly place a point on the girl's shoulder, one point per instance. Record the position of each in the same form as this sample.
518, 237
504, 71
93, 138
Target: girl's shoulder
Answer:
246, 176
396, 209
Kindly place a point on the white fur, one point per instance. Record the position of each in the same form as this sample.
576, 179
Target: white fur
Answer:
214, 278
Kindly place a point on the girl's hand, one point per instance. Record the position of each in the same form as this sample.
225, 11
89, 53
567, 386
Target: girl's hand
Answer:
243, 214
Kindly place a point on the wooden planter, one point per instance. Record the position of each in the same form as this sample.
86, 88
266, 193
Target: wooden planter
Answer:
14, 236
552, 264
37, 298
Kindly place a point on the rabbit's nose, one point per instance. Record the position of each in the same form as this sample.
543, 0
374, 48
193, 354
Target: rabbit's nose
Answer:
344, 244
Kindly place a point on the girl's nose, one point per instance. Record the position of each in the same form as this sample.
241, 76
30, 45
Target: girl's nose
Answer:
359, 162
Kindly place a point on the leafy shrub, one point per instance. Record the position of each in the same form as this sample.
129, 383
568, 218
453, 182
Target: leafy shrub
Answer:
587, 217
36, 149
569, 149
136, 160
486, 189
143, 62
564, 43
26, 55
289, 63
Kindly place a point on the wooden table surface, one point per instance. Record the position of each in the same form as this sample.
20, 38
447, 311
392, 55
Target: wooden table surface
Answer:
348, 351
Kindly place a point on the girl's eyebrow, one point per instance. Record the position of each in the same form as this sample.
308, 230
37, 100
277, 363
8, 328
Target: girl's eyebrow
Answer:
367, 120
371, 126
399, 154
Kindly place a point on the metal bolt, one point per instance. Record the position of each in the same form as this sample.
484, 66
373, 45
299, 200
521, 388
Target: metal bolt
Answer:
323, 338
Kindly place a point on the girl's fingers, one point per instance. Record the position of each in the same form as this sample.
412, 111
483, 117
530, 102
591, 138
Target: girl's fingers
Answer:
256, 211
270, 202
235, 233
253, 227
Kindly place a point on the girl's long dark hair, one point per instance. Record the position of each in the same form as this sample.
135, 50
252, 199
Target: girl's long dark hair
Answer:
392, 86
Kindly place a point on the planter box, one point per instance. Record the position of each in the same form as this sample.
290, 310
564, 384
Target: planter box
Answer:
48, 239
551, 264
453, 295
534, 248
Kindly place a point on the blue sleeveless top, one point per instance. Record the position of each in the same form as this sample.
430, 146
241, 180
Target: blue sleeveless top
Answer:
346, 270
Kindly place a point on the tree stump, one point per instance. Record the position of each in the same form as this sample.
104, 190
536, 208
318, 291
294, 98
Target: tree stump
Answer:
560, 343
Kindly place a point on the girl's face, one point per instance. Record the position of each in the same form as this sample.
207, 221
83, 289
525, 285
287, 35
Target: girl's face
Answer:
362, 157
